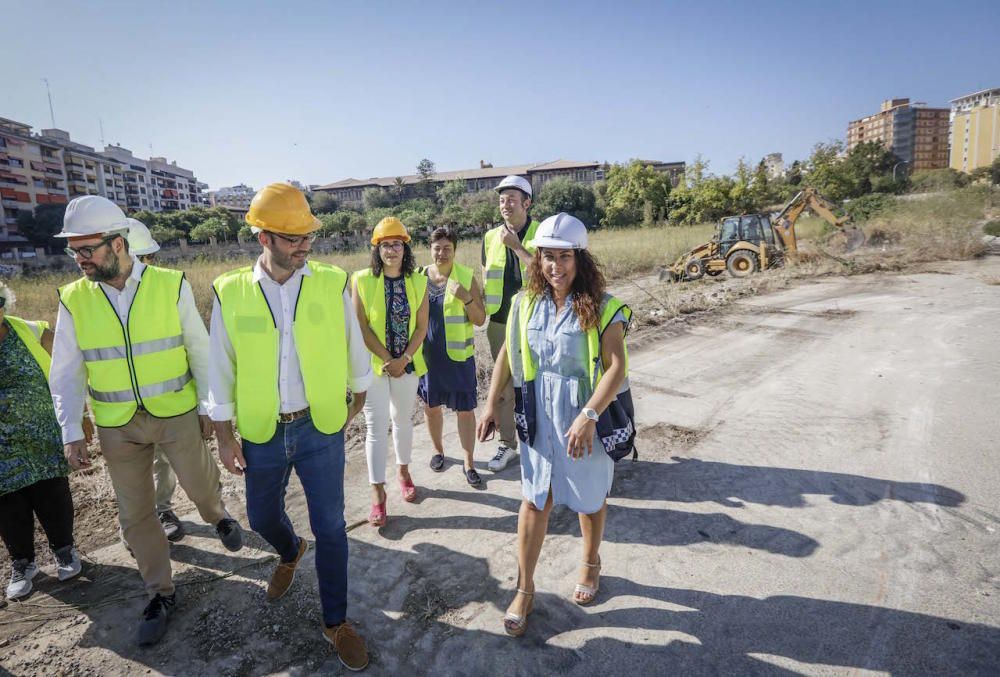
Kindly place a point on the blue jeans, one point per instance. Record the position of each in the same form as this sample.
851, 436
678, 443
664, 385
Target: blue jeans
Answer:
318, 460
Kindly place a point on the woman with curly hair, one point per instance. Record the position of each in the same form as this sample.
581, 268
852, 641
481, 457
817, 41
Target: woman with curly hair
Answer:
565, 351
390, 299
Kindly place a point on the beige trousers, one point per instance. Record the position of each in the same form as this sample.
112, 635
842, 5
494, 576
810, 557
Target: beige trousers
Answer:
128, 452
496, 334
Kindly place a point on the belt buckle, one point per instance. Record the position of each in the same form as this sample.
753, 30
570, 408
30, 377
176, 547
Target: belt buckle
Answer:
292, 416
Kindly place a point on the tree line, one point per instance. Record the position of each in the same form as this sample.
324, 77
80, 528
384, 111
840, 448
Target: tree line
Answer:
631, 194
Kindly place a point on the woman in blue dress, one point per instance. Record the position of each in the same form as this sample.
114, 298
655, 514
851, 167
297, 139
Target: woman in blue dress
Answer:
456, 304
549, 350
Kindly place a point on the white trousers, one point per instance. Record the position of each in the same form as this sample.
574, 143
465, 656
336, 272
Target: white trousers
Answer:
389, 398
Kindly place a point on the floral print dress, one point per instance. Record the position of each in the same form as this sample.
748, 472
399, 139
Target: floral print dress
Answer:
31, 447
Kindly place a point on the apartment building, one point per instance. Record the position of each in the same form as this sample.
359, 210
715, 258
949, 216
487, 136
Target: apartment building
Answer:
31, 173
349, 192
975, 130
232, 196
915, 133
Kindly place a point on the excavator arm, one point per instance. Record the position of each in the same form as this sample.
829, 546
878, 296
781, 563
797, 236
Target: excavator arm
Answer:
808, 198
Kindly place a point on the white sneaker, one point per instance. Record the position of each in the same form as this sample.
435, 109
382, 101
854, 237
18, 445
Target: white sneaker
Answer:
504, 456
21, 573
67, 562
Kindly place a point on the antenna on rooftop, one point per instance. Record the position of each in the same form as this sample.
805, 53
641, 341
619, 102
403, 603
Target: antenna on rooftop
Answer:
48, 92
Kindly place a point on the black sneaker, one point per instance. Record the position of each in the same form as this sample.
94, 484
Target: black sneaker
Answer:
153, 625
172, 526
230, 534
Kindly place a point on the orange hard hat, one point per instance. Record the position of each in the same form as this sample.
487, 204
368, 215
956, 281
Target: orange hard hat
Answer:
388, 227
282, 208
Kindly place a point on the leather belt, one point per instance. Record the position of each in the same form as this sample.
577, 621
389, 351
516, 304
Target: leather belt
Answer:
288, 418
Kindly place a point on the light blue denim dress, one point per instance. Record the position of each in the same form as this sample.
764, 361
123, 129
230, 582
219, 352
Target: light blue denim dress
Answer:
559, 347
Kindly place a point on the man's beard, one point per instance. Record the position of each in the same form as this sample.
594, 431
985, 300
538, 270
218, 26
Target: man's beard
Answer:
286, 261
105, 273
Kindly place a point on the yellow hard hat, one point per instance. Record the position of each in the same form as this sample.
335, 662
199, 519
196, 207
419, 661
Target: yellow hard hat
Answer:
281, 208
388, 227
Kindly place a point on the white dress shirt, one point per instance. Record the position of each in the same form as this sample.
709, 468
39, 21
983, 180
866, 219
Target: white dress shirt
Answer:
291, 388
68, 375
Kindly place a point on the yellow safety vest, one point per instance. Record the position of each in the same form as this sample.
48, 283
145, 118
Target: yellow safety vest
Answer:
496, 261
140, 363
371, 289
458, 329
320, 342
523, 367
24, 331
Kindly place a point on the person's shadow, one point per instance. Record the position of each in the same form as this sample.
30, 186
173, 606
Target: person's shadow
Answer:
690, 480
437, 610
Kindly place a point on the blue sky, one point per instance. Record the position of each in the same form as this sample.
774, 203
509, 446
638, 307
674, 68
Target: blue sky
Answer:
319, 91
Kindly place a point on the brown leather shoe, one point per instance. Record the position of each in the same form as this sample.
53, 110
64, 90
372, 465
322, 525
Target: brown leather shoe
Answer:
350, 647
283, 576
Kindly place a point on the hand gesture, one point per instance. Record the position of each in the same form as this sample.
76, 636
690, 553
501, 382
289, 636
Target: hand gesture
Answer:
580, 437
510, 238
396, 367
77, 455
231, 455
487, 425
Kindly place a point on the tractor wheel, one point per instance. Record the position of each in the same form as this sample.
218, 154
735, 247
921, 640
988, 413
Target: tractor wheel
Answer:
694, 269
742, 263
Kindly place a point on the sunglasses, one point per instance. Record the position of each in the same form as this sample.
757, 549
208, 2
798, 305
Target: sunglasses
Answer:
86, 253
296, 241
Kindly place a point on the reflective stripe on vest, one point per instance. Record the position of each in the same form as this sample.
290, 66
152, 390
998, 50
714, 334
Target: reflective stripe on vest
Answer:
371, 289
142, 362
496, 261
320, 343
24, 332
458, 329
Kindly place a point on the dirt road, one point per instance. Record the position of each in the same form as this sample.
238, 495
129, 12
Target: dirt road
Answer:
818, 493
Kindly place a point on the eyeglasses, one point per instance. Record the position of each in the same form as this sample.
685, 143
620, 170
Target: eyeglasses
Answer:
86, 253
391, 244
296, 241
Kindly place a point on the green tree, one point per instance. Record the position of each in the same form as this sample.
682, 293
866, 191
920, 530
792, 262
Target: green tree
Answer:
375, 198
451, 192
398, 189
426, 172
147, 218
636, 193
210, 227
164, 235
40, 226
563, 195
322, 202
841, 175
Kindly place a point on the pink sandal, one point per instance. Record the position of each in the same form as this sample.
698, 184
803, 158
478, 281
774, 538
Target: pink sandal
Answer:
377, 516
409, 491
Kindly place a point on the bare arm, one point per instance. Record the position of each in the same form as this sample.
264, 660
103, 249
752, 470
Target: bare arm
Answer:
419, 331
580, 436
498, 381
476, 308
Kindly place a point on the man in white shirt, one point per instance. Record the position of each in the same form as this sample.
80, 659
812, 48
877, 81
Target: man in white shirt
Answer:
286, 352
129, 335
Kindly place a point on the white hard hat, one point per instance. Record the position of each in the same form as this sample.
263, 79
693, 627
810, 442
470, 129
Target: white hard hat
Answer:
140, 242
561, 231
92, 215
515, 181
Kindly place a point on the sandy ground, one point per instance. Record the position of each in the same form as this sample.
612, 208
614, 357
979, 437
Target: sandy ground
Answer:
817, 493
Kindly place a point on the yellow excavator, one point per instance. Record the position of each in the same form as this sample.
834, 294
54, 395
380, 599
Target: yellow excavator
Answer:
747, 243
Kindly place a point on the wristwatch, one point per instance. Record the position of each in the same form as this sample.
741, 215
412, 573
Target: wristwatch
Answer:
590, 413
408, 358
